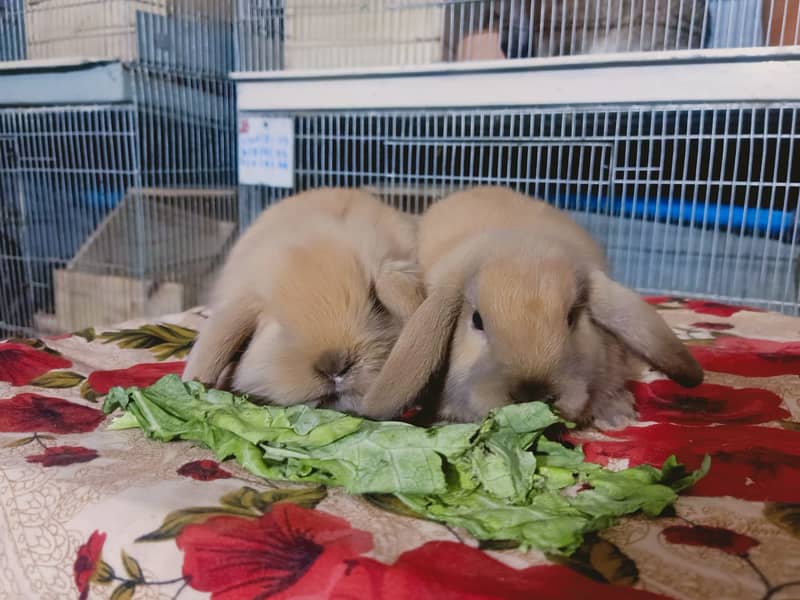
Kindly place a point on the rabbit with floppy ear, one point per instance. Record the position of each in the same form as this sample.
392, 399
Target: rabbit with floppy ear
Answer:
312, 297
519, 308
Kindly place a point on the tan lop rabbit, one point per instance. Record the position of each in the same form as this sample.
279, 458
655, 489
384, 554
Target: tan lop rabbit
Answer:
519, 308
320, 285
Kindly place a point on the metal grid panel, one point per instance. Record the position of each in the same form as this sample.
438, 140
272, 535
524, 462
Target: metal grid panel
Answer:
12, 30
188, 36
216, 36
62, 171
187, 127
691, 200
289, 34
116, 211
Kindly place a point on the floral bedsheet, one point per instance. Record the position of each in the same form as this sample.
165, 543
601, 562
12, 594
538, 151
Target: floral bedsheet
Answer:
91, 513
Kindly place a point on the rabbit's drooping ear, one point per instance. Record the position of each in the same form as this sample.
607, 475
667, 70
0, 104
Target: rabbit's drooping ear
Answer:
641, 329
219, 340
417, 356
400, 288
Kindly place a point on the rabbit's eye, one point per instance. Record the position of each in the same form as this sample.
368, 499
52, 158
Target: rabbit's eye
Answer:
477, 321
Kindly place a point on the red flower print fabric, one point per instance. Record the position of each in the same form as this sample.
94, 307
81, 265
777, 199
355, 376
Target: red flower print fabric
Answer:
705, 307
87, 562
20, 364
749, 357
34, 413
293, 552
712, 326
747, 461
718, 538
665, 401
656, 300
204, 470
452, 571
734, 534
289, 552
61, 456
139, 375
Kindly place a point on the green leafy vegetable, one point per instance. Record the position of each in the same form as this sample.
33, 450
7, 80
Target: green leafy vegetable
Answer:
500, 480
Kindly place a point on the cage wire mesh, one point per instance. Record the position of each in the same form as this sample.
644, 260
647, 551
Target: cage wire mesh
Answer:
193, 36
217, 36
696, 200
117, 211
321, 34
62, 170
111, 212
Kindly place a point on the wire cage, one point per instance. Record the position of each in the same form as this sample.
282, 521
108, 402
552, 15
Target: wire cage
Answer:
692, 198
190, 36
113, 212
693, 191
324, 34
117, 158
123, 207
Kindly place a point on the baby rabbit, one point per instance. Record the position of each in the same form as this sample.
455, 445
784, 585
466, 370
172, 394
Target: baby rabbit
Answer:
320, 284
519, 308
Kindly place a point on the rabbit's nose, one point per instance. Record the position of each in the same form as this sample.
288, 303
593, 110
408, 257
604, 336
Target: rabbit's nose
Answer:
333, 365
530, 390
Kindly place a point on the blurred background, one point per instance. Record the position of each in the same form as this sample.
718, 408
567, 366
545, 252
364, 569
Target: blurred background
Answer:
128, 168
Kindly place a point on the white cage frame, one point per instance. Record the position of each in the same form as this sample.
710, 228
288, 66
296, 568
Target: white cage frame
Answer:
761, 79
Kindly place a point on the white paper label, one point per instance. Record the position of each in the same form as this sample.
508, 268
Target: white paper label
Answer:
266, 151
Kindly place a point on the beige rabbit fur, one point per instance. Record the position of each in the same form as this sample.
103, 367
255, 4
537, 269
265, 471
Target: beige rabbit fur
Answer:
519, 307
320, 286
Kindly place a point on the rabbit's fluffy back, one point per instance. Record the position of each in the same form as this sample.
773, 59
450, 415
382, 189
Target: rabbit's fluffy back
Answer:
352, 218
475, 213
306, 282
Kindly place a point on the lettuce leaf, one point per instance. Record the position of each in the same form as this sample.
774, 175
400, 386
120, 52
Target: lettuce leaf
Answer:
501, 479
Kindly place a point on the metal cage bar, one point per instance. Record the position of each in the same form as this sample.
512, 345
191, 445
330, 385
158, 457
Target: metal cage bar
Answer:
91, 234
122, 207
115, 211
695, 200
217, 36
186, 36
323, 34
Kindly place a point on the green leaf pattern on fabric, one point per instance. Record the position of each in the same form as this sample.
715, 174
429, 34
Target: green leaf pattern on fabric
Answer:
163, 340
